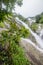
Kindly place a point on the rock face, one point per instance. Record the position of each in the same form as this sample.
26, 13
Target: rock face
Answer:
32, 54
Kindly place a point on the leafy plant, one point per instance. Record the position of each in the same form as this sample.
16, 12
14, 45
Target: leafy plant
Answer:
10, 51
34, 26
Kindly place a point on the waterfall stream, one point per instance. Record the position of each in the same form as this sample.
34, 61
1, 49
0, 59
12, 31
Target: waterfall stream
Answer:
32, 43
38, 39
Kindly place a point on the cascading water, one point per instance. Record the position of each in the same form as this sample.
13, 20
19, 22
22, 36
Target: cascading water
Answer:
29, 41
38, 39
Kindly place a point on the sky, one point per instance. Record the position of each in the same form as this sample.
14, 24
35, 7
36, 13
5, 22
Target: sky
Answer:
30, 8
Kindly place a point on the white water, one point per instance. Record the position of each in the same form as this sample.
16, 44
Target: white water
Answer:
29, 41
38, 39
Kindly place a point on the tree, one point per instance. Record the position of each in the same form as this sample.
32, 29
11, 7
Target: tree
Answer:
6, 7
39, 18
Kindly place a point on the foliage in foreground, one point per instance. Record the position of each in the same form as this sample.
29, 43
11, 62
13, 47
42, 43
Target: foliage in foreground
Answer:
7, 6
10, 51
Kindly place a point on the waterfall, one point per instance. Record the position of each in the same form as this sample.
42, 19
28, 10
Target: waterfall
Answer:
29, 41
38, 39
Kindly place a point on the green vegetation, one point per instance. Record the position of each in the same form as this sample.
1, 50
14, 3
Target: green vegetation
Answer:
6, 7
34, 27
39, 18
24, 32
22, 18
2, 25
10, 51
